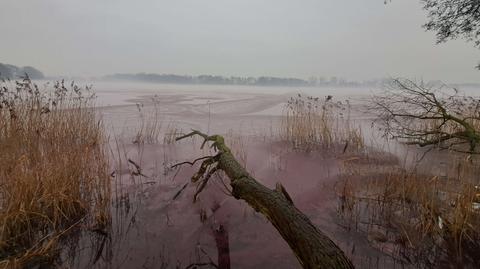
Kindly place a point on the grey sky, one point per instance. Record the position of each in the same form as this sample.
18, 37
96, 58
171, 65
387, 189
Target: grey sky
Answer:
356, 39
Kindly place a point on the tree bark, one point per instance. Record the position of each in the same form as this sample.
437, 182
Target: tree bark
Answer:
312, 248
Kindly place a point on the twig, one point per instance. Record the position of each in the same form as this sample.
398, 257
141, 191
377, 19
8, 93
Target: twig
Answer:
192, 162
180, 191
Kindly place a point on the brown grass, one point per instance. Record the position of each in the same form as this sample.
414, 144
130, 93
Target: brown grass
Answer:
430, 220
238, 145
53, 169
310, 123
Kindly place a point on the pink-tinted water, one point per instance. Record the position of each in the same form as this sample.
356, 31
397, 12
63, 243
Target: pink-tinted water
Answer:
151, 229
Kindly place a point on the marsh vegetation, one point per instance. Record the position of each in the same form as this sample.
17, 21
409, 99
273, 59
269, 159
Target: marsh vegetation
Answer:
53, 170
423, 211
76, 193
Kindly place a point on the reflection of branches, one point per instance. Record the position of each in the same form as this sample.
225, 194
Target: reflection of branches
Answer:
420, 115
198, 265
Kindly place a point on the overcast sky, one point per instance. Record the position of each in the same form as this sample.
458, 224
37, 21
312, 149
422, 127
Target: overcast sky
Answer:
300, 38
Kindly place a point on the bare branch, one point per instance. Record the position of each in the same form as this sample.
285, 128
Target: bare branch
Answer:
422, 115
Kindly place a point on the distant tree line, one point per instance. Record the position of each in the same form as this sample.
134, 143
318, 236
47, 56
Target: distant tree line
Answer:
235, 80
8, 71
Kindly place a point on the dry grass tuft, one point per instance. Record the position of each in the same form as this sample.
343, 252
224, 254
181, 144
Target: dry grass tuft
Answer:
53, 169
238, 145
171, 133
150, 125
311, 123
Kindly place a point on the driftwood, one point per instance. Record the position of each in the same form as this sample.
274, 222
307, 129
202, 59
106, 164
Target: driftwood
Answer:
312, 248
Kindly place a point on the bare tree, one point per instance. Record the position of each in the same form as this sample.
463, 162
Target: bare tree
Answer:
426, 115
454, 18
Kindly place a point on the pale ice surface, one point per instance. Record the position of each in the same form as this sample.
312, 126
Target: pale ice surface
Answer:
122, 93
221, 108
119, 93
212, 108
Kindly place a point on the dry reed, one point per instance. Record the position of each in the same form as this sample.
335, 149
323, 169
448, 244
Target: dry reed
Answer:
53, 169
423, 219
150, 125
311, 123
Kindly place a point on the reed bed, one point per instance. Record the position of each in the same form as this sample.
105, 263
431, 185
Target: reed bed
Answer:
310, 123
420, 218
53, 169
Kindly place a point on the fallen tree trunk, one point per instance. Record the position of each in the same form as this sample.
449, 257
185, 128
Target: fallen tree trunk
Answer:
312, 248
